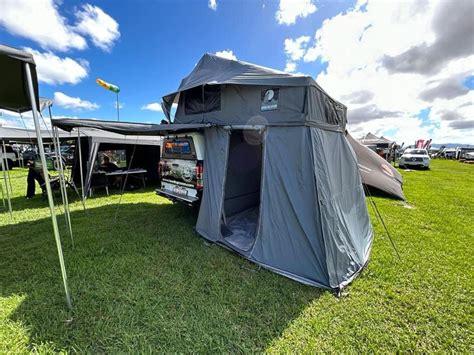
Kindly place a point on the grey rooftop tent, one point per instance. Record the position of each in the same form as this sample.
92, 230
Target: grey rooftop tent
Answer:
281, 182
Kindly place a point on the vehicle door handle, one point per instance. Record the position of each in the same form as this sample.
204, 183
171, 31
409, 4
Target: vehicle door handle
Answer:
175, 164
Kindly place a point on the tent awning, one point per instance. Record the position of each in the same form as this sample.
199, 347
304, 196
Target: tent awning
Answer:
13, 88
127, 128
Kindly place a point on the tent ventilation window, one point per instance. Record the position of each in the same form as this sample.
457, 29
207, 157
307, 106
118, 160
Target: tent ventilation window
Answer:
242, 189
202, 99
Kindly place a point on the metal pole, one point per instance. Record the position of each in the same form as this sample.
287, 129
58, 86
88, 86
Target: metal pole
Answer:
48, 185
4, 168
3, 196
7, 166
80, 168
62, 183
118, 110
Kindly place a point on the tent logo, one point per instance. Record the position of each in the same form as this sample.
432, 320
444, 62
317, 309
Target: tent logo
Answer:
269, 99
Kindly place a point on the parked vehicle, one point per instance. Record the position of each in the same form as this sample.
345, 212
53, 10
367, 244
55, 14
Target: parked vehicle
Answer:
414, 158
181, 168
11, 155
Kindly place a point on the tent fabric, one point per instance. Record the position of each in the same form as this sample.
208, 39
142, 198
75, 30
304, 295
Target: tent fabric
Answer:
13, 88
243, 85
375, 171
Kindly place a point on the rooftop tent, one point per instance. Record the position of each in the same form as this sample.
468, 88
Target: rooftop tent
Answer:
375, 171
281, 182
19, 93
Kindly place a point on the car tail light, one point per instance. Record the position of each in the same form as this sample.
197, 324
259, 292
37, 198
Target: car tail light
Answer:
199, 175
163, 168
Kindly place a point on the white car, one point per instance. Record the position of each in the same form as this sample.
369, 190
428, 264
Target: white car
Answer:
414, 158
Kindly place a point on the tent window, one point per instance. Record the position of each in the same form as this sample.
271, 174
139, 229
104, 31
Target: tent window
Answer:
202, 99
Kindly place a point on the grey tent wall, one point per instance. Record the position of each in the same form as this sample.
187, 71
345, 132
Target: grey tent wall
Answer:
289, 239
346, 227
210, 215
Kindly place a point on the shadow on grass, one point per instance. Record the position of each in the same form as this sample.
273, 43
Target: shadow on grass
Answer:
21, 203
146, 282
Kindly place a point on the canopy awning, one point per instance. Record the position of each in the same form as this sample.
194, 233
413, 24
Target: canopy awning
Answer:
13, 84
127, 128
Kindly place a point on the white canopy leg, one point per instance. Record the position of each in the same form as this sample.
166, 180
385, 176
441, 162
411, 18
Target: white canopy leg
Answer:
4, 168
8, 167
80, 168
48, 185
62, 183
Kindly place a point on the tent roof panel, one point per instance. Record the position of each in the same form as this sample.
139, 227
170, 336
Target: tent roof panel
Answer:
13, 89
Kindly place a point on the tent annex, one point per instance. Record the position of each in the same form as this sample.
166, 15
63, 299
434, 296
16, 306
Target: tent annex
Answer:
141, 152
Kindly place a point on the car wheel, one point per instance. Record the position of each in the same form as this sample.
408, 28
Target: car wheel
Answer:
9, 164
401, 166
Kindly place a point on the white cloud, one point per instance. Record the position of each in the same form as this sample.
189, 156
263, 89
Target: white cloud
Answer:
212, 4
290, 67
102, 28
42, 22
154, 106
55, 70
74, 103
296, 48
361, 48
290, 10
228, 54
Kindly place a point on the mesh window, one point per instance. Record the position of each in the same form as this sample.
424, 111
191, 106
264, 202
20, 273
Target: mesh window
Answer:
202, 99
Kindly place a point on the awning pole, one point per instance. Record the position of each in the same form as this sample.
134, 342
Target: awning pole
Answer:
4, 168
62, 183
8, 168
3, 196
54, 221
80, 167
90, 169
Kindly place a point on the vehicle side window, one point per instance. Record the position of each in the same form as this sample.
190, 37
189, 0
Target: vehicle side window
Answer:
202, 99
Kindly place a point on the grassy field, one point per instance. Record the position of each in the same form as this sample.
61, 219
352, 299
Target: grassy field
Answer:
149, 282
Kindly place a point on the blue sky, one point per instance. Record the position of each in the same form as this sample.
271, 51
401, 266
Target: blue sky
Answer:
161, 41
401, 71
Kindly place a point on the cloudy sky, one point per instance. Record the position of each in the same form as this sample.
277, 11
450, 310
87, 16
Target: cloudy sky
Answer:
404, 69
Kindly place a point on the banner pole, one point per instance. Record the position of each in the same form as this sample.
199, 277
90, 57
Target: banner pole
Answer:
118, 108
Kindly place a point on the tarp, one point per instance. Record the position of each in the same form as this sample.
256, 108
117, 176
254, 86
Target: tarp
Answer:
13, 88
375, 171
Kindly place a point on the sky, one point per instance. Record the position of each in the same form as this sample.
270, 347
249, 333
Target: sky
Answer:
405, 69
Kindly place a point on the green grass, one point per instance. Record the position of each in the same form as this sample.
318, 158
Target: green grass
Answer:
149, 282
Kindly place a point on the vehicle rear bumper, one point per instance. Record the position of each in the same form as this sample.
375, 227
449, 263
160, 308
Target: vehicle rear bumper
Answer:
189, 200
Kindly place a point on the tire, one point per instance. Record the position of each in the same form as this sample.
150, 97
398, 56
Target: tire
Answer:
401, 166
10, 164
